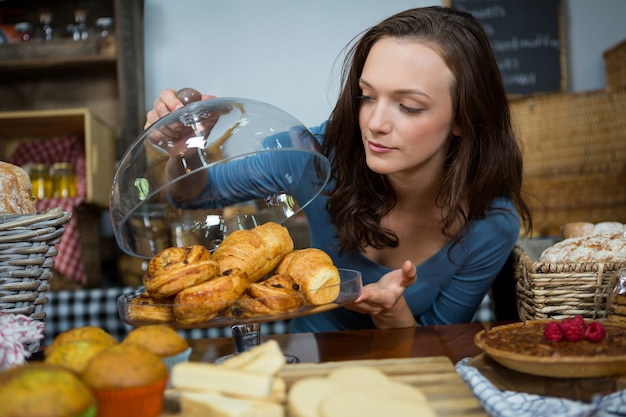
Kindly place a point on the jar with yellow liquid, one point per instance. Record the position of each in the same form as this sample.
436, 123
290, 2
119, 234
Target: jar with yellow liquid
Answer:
64, 179
41, 181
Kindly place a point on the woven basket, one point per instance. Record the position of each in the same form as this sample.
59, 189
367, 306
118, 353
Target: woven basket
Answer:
615, 65
574, 148
556, 291
27, 248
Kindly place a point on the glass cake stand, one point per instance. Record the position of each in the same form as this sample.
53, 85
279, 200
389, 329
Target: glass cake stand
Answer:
246, 331
210, 168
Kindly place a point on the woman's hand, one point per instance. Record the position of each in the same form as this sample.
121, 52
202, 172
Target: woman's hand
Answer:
384, 300
165, 104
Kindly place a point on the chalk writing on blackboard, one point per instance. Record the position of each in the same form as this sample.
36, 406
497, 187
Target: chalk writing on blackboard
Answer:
525, 37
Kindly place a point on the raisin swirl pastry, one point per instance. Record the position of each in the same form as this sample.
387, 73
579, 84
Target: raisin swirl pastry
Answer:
174, 269
276, 295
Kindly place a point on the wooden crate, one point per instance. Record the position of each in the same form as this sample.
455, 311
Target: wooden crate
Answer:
21, 126
615, 65
574, 149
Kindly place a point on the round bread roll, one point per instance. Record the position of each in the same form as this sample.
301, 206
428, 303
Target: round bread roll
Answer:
16, 190
608, 227
203, 302
174, 269
576, 229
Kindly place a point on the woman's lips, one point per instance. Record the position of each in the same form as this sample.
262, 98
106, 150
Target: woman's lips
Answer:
378, 148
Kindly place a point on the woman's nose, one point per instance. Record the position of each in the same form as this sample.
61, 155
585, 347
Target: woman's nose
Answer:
378, 118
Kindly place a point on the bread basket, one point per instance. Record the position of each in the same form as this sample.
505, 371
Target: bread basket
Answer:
556, 291
27, 249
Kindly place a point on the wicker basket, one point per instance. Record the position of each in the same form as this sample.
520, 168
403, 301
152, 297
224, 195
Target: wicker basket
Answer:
615, 65
556, 291
27, 248
574, 147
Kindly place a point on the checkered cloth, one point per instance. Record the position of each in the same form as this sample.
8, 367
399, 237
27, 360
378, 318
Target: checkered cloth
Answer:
98, 307
69, 260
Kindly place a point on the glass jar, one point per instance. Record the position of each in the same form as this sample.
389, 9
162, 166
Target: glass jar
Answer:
80, 29
41, 181
23, 31
64, 179
616, 301
45, 31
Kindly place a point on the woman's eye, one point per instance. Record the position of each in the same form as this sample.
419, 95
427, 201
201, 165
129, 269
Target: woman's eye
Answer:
409, 109
364, 98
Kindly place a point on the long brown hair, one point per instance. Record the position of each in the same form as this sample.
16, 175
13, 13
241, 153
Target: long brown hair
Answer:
484, 163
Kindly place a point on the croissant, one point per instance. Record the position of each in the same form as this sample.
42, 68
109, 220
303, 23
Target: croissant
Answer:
256, 251
275, 295
314, 272
173, 269
202, 302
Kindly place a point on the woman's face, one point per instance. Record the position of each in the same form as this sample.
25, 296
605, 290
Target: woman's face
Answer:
406, 114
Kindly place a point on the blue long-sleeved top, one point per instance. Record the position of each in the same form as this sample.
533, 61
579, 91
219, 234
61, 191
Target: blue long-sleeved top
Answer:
450, 285
445, 291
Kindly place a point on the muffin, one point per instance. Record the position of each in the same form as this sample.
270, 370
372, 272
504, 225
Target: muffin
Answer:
75, 354
161, 340
44, 390
128, 380
85, 333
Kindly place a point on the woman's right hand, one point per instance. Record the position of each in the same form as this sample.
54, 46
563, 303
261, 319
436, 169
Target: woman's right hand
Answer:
166, 103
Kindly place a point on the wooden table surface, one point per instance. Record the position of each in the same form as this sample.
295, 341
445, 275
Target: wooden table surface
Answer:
455, 341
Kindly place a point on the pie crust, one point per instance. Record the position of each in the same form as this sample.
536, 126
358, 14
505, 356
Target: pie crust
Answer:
522, 347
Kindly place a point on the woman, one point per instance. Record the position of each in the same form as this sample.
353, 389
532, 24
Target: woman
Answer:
425, 197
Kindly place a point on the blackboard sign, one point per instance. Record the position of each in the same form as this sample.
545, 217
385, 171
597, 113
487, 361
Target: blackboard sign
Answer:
526, 38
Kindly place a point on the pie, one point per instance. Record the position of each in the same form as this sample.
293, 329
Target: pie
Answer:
522, 347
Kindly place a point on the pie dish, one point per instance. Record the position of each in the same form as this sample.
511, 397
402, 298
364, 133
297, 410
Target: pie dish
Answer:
349, 289
522, 347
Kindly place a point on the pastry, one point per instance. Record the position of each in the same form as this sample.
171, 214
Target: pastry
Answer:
150, 309
202, 302
315, 273
16, 190
256, 251
276, 295
591, 248
173, 269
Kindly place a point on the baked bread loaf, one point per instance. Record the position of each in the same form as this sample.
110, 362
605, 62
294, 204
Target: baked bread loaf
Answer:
256, 251
202, 302
174, 269
276, 295
150, 309
16, 190
593, 248
315, 273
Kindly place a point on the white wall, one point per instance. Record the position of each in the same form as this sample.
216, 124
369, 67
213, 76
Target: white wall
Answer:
288, 52
284, 52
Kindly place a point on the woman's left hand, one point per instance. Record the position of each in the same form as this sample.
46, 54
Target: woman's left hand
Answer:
384, 300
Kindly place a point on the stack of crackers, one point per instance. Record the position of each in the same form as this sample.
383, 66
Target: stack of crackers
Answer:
616, 303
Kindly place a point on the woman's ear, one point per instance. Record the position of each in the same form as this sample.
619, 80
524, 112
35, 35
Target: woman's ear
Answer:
456, 130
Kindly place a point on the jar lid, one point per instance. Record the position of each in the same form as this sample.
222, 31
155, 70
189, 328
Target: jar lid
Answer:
62, 166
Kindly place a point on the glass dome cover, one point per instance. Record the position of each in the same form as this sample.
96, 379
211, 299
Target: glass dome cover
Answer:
209, 168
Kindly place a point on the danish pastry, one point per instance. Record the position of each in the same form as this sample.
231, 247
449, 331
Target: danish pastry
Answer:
203, 302
256, 251
151, 309
174, 269
276, 295
315, 273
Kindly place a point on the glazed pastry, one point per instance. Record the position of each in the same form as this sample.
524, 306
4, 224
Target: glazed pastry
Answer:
202, 302
314, 272
276, 295
150, 309
174, 269
256, 251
